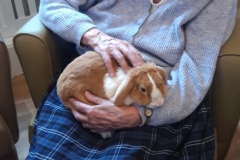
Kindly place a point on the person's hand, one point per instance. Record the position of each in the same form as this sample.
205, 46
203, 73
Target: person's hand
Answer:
109, 47
104, 116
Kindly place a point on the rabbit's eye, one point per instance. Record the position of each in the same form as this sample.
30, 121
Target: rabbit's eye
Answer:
143, 90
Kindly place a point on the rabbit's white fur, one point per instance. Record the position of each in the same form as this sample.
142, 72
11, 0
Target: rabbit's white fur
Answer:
143, 85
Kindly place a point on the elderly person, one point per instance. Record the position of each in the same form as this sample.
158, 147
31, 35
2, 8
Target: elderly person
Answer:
183, 37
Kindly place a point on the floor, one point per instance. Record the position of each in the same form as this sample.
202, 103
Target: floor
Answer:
25, 109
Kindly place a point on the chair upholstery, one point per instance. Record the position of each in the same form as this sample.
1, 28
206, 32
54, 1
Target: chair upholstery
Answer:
38, 50
225, 90
9, 132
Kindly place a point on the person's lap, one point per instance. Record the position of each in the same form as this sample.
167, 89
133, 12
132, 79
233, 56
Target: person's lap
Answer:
57, 135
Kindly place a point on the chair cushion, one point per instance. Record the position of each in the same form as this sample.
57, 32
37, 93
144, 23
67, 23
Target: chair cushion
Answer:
7, 105
6, 141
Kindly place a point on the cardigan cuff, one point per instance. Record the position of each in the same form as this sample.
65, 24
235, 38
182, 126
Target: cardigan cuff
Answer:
141, 110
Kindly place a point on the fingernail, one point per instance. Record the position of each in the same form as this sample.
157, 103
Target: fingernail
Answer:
112, 74
71, 100
87, 93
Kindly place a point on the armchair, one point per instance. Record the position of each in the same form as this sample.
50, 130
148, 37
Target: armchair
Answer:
9, 132
38, 50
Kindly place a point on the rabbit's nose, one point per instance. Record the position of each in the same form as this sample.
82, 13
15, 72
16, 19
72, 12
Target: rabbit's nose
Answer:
160, 101
156, 102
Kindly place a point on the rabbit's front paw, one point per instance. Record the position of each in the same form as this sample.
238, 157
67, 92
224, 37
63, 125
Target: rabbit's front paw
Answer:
106, 134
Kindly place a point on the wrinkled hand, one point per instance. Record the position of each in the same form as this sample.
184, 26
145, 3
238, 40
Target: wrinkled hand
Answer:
109, 47
104, 116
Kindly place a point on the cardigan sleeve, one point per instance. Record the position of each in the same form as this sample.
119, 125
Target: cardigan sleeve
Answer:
191, 76
63, 18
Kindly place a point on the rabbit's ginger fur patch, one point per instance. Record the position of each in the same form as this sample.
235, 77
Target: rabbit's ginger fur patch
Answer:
88, 73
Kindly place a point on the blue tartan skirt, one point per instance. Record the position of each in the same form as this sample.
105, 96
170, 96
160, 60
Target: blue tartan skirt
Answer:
57, 135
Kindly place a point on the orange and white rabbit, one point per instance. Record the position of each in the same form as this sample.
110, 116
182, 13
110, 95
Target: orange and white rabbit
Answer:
143, 85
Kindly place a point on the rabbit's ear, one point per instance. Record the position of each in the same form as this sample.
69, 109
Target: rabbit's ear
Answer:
162, 73
124, 90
